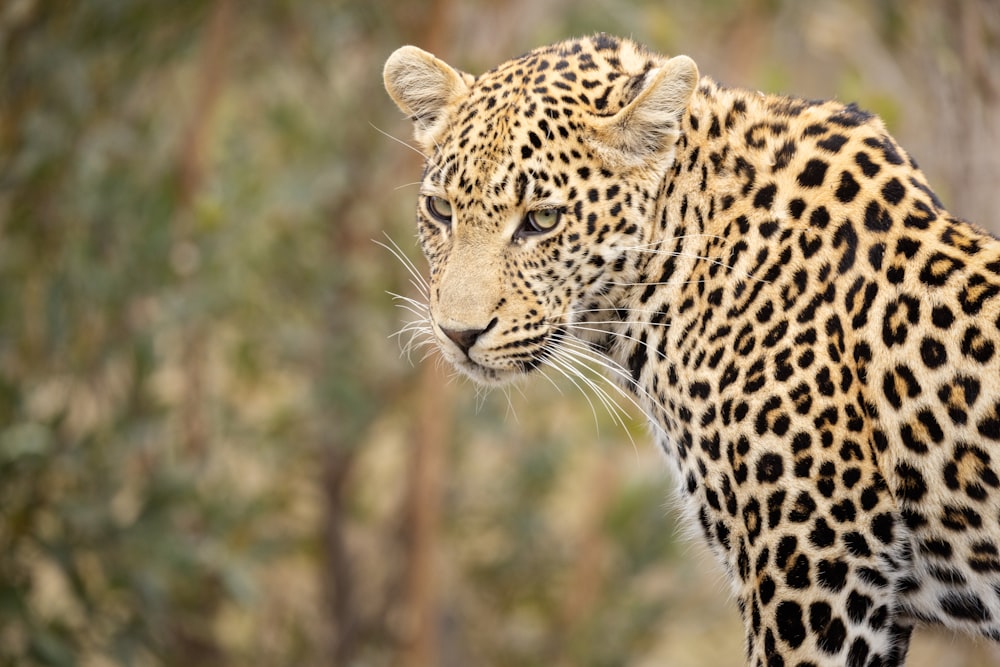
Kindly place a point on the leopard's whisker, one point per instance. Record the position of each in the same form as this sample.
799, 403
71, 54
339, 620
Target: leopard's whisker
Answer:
408, 185
688, 255
419, 337
613, 408
566, 372
482, 393
618, 334
414, 308
573, 363
611, 367
662, 283
422, 288
675, 237
541, 371
584, 354
511, 411
413, 327
633, 323
397, 252
399, 141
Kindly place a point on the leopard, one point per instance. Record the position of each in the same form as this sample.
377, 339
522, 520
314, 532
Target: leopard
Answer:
812, 338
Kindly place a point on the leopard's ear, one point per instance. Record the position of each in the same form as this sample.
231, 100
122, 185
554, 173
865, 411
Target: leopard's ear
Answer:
423, 87
646, 130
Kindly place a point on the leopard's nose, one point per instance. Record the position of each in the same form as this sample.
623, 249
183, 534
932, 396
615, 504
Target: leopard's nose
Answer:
466, 338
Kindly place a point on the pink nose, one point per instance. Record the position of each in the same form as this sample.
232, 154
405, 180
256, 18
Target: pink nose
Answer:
464, 338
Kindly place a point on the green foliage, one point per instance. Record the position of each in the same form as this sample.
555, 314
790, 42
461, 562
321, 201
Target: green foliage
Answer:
160, 338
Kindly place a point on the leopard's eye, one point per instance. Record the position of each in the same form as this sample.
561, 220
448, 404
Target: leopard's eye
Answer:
440, 209
541, 221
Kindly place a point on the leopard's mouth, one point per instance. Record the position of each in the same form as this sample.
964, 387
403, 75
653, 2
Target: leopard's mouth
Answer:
487, 375
506, 367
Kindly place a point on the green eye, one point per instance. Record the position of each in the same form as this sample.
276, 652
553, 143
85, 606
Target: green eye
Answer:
542, 220
440, 209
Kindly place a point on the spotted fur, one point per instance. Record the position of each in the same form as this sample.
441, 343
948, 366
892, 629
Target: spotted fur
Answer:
812, 336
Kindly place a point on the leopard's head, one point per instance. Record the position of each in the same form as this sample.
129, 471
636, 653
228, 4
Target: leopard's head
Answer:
541, 180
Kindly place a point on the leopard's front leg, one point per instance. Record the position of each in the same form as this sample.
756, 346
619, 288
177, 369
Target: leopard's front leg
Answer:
816, 565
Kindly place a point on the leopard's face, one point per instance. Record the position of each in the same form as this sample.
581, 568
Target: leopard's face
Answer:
536, 188
518, 246
507, 266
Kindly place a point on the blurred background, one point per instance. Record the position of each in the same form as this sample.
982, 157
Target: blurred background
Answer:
212, 451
